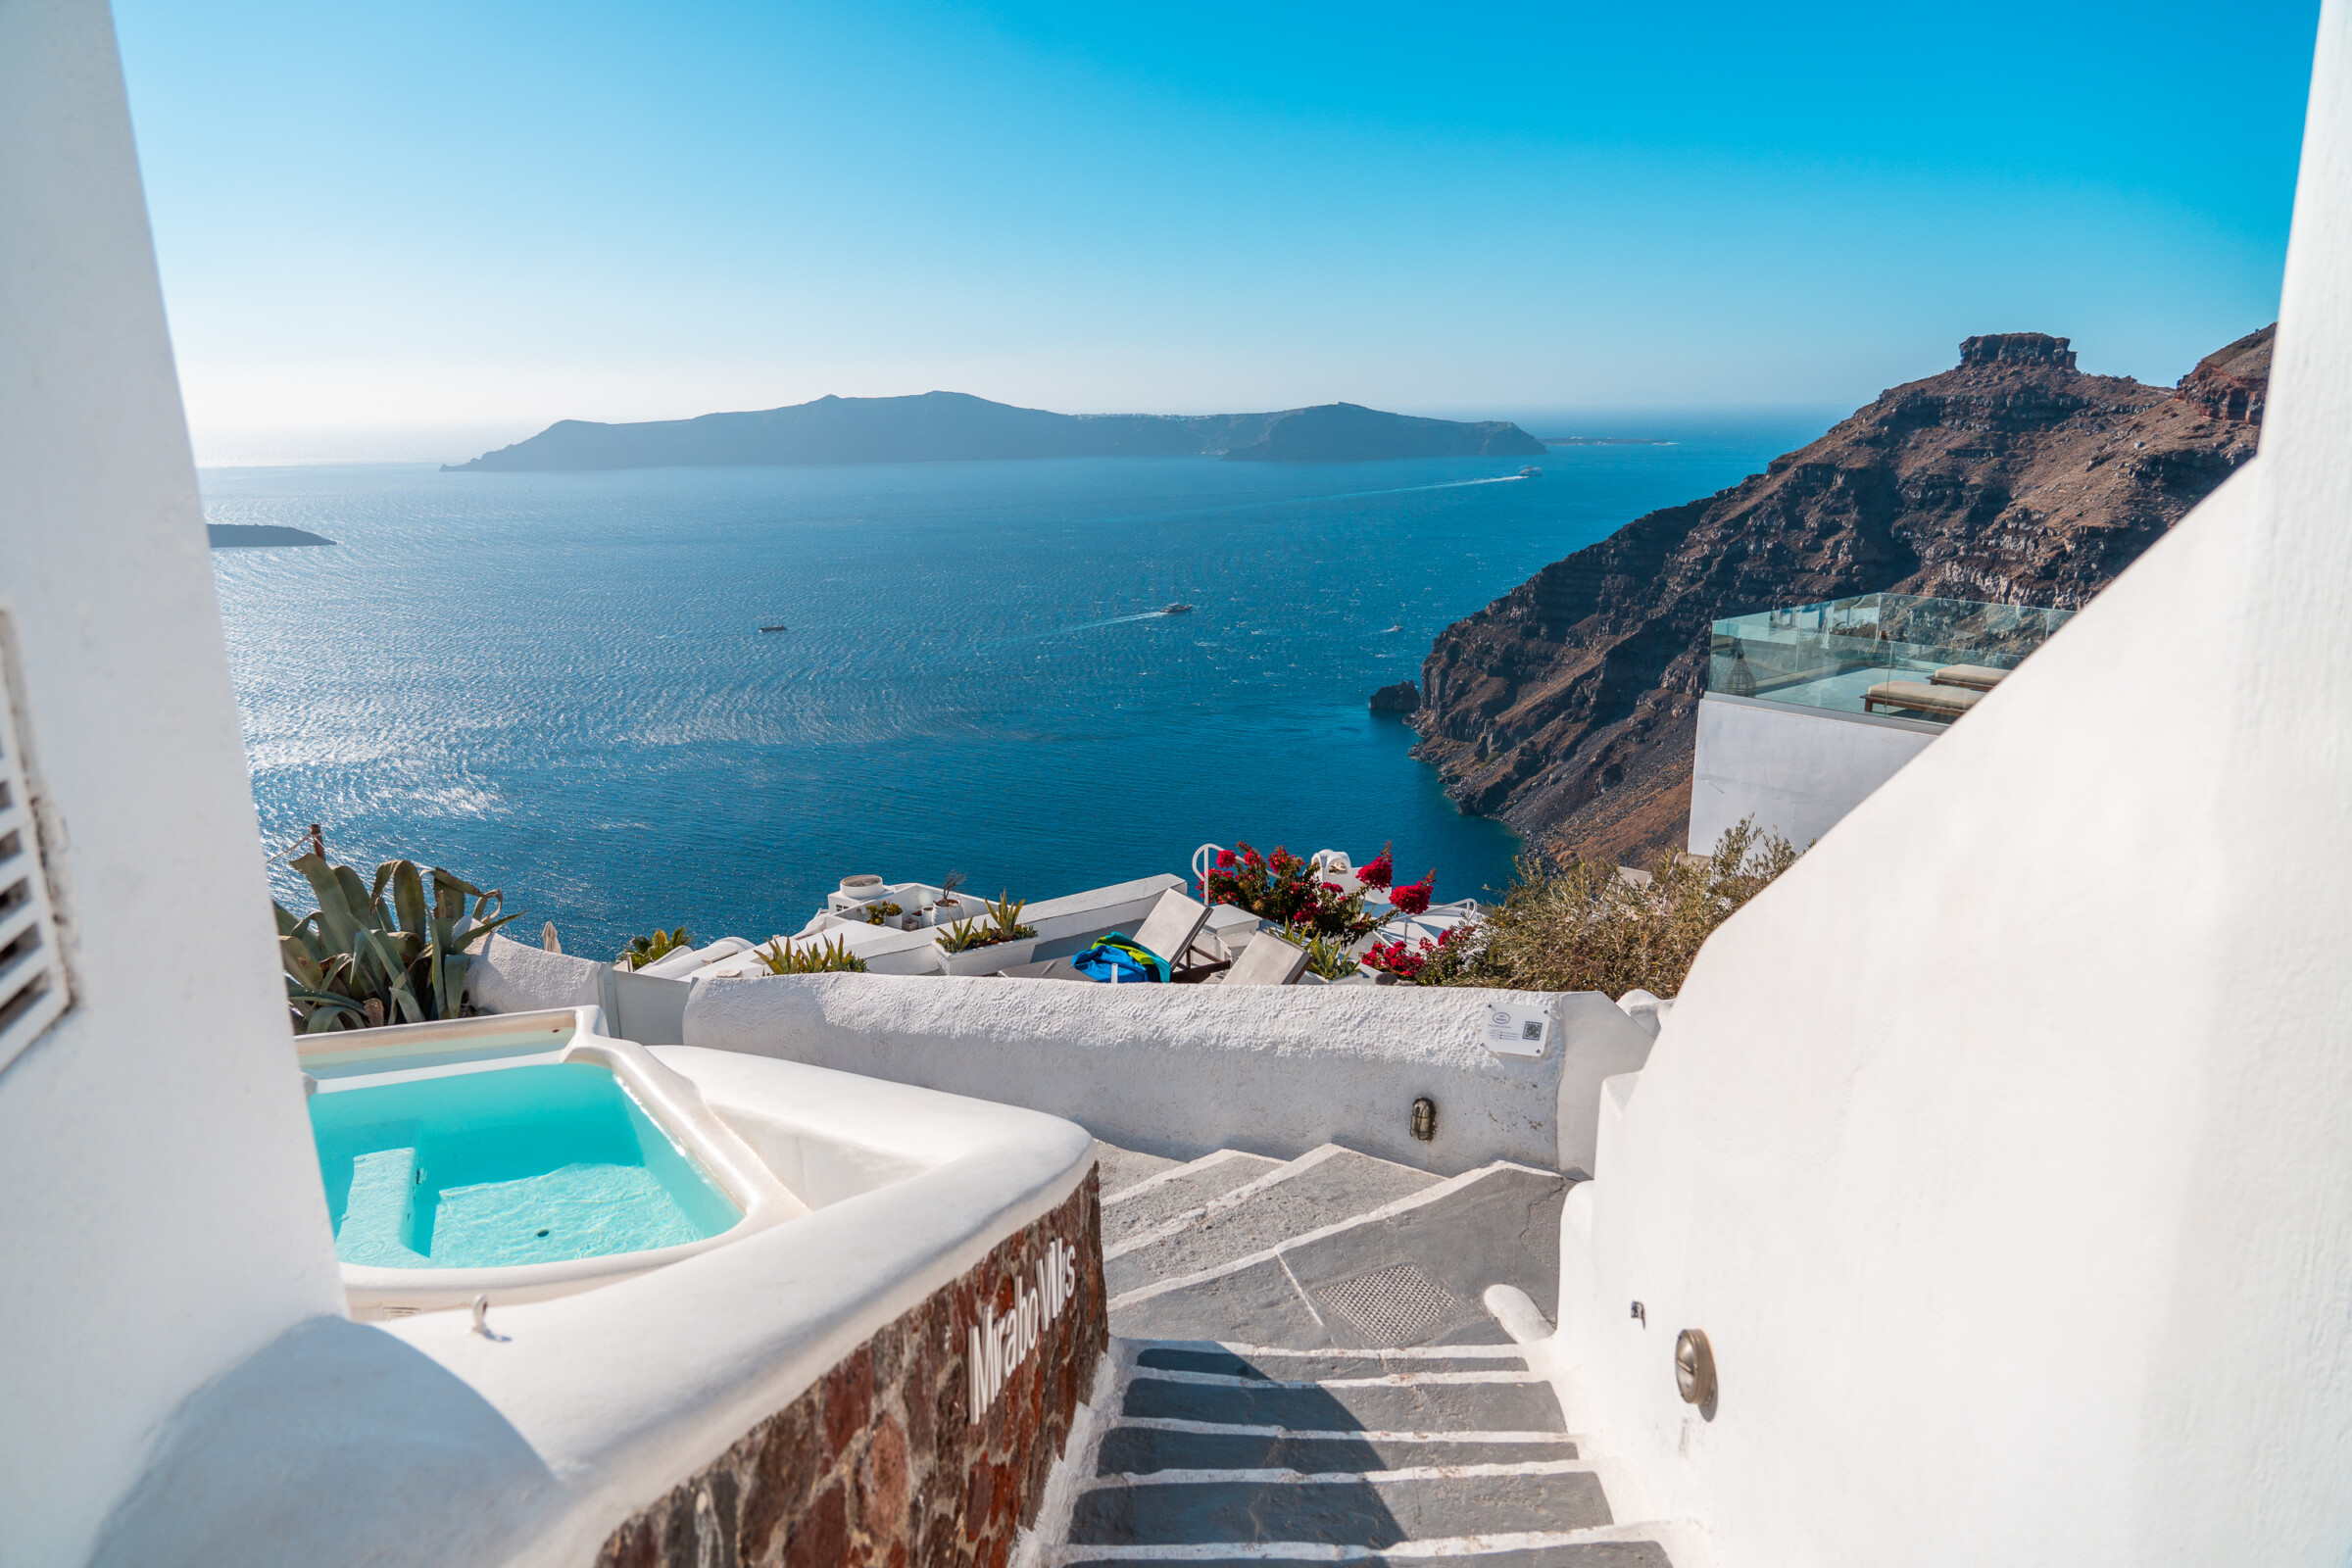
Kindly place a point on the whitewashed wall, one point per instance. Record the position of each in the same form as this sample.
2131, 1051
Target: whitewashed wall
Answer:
2003, 1148
163, 1212
1185, 1069
1797, 770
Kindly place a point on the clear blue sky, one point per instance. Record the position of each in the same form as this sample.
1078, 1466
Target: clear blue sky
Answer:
436, 222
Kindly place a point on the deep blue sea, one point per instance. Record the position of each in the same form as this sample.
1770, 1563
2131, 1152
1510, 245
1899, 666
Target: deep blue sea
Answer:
556, 684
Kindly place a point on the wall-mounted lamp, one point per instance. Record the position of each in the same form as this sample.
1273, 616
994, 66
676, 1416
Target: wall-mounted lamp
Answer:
1425, 1118
1693, 1367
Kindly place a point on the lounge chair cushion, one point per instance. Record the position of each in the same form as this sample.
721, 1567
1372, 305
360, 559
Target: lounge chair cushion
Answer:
1975, 677
1172, 926
1268, 960
1920, 696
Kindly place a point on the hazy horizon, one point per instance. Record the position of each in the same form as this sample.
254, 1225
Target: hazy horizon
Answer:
444, 220
450, 443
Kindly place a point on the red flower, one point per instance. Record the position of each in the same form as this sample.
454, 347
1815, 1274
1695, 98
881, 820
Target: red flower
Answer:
1225, 860
1414, 898
1378, 873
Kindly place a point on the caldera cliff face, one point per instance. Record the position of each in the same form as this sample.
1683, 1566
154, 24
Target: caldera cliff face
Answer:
1567, 708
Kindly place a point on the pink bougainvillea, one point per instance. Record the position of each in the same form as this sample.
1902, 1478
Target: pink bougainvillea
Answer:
1282, 888
1413, 897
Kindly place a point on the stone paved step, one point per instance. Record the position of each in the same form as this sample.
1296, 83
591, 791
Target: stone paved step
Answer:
1282, 1367
1325, 1189
1368, 1512
1122, 1168
1411, 1276
1169, 1194
1143, 1451
1425, 1406
1573, 1554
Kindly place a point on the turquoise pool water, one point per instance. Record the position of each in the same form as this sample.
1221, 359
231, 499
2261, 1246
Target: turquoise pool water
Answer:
520, 1165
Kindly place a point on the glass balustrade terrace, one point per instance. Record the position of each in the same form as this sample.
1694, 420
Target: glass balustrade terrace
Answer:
1900, 654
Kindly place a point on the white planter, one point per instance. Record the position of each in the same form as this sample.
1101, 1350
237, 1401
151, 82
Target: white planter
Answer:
987, 960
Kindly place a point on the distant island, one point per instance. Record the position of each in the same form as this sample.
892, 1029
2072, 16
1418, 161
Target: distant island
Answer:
258, 536
954, 426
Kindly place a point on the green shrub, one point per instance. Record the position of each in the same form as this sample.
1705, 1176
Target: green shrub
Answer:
1578, 926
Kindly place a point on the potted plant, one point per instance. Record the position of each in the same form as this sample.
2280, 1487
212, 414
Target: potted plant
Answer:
821, 958
951, 906
643, 951
986, 945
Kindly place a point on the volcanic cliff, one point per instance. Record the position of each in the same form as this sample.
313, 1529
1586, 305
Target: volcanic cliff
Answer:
1567, 708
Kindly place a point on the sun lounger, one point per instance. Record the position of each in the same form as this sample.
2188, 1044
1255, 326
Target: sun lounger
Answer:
1920, 696
1046, 969
1170, 930
1975, 677
1268, 960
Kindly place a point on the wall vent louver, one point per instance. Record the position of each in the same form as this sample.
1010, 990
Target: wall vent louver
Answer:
32, 977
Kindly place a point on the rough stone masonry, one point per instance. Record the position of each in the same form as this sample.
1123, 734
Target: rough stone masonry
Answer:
880, 1462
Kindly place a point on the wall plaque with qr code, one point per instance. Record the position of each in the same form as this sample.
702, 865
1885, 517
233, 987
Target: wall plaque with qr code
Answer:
1518, 1029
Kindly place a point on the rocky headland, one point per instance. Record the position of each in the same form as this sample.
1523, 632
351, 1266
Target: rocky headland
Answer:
954, 426
1567, 708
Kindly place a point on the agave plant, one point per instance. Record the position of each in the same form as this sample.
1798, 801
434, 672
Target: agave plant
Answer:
1006, 912
352, 963
643, 951
1003, 924
1329, 958
965, 935
825, 958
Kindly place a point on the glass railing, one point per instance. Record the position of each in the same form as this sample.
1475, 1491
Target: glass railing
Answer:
1893, 654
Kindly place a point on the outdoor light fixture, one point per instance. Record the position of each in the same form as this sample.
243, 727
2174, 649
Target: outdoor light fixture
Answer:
1693, 1367
1425, 1118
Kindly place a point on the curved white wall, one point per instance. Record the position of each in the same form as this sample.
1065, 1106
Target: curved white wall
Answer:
2001, 1148
163, 1217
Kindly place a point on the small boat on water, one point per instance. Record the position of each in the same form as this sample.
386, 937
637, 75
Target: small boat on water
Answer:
1177, 610
1398, 628
1530, 473
775, 628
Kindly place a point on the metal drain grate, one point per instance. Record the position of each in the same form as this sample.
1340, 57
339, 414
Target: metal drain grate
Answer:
32, 981
1393, 1305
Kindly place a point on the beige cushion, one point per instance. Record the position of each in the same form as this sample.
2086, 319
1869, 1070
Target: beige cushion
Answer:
1169, 929
1921, 697
1975, 677
1268, 960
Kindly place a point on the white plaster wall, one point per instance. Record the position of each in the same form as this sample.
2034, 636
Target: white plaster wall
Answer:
1185, 1069
2001, 1148
163, 1217
1797, 770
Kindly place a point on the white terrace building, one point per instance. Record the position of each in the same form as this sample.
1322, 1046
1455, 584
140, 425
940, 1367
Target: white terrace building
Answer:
1985, 1199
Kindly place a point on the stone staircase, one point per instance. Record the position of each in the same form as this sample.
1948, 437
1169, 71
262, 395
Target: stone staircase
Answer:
1333, 1249
1302, 1373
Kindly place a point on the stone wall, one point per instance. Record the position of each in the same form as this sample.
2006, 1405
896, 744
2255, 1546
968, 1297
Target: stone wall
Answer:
880, 1463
